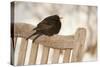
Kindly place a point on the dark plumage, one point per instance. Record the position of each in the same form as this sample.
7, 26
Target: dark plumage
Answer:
49, 26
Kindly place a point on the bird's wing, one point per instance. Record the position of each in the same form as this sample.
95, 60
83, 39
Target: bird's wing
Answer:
42, 24
43, 27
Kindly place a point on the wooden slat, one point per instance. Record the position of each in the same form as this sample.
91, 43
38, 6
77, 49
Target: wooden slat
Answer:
80, 53
74, 55
33, 55
66, 55
22, 52
45, 54
55, 56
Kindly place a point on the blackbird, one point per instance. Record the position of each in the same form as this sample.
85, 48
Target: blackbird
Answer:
49, 26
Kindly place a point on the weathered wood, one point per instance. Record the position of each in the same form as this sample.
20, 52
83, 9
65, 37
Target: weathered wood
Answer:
79, 40
66, 56
74, 54
55, 56
57, 42
22, 52
80, 53
33, 55
82, 42
45, 54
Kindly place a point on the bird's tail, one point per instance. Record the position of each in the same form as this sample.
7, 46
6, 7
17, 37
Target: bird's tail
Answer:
34, 28
31, 35
36, 37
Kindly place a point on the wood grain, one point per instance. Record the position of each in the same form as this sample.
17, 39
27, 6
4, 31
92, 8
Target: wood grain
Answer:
22, 52
66, 56
55, 56
45, 55
33, 55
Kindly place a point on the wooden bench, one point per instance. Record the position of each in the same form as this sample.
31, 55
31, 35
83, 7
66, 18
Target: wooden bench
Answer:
74, 43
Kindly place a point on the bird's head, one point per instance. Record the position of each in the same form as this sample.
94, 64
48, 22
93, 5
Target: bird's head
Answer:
54, 17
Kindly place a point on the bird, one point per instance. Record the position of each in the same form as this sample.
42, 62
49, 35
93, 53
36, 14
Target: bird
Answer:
49, 26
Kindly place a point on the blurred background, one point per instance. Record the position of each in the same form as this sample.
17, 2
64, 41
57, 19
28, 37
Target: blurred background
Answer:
74, 16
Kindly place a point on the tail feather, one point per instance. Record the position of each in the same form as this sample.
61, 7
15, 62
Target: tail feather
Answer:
31, 35
34, 28
36, 37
